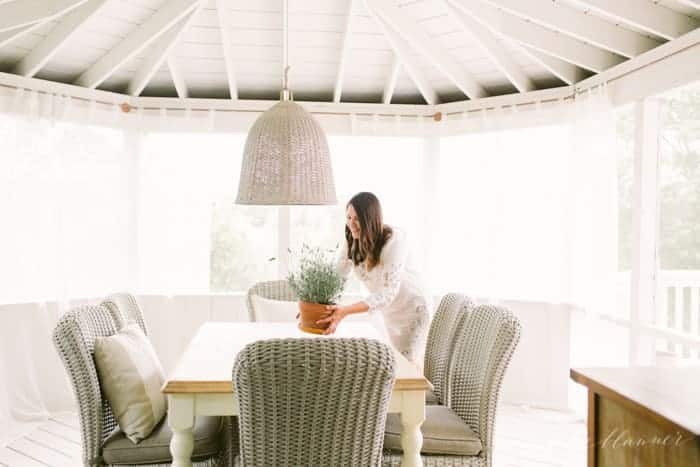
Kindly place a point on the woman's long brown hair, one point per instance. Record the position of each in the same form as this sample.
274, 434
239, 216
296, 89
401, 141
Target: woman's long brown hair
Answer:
373, 233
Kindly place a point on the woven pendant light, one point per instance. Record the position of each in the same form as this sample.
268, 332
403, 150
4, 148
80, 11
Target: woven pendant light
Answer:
286, 159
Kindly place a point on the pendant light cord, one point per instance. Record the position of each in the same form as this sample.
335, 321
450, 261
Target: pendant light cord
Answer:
285, 52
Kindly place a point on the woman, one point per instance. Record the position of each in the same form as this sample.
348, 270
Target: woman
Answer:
378, 254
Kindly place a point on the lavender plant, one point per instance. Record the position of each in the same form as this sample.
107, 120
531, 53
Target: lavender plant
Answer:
316, 280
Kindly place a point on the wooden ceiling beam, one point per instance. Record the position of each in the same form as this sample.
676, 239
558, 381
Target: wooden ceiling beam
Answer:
7, 37
159, 52
133, 44
645, 15
404, 53
176, 75
492, 45
565, 71
538, 37
390, 84
577, 24
344, 51
25, 12
224, 17
57, 38
427, 46
690, 3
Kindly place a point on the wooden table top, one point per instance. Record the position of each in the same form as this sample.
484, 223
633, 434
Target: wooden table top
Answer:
207, 363
671, 393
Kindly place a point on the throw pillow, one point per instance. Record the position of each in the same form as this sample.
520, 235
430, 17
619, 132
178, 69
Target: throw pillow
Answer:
131, 377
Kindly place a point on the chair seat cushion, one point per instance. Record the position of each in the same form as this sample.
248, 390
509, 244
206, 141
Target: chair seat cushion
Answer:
444, 432
155, 449
431, 398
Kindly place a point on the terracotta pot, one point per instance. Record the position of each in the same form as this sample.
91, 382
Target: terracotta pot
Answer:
309, 313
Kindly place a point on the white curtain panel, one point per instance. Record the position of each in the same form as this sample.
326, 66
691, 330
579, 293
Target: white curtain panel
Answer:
592, 205
64, 203
501, 209
531, 214
88, 210
34, 383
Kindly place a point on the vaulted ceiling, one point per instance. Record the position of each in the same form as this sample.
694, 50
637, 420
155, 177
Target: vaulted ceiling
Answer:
406, 51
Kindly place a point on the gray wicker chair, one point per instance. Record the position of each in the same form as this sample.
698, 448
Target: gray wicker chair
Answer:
124, 310
485, 341
313, 402
272, 290
441, 339
74, 338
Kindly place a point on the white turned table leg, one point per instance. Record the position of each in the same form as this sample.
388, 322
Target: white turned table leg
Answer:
412, 417
181, 422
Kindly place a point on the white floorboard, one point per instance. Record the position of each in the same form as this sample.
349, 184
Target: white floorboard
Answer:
524, 437
53, 442
61, 431
9, 457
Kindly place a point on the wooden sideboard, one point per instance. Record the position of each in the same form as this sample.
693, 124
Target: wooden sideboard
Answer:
642, 416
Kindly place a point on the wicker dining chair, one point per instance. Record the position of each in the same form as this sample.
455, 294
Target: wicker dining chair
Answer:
125, 310
440, 343
313, 402
272, 290
485, 341
74, 338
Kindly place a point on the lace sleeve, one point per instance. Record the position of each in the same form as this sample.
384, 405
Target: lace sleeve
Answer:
392, 264
342, 263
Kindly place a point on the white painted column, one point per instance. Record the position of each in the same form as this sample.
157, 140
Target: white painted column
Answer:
283, 240
643, 290
428, 205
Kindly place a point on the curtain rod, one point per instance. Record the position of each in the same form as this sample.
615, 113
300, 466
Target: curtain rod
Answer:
519, 104
437, 116
196, 109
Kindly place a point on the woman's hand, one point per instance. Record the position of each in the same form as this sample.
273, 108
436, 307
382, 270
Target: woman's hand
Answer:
336, 313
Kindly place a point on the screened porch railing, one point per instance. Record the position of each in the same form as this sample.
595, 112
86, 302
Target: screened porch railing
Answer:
678, 306
677, 316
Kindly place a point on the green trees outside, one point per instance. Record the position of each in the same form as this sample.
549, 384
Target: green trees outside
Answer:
679, 210
240, 237
625, 179
679, 181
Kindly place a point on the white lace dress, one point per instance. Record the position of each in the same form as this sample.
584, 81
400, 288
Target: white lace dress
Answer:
395, 291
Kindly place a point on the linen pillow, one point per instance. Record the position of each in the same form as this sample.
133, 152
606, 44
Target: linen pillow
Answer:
131, 377
274, 310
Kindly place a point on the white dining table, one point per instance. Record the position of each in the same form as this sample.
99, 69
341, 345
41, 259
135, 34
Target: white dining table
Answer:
201, 382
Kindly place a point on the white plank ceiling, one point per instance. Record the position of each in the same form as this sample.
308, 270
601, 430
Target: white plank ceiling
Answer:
405, 51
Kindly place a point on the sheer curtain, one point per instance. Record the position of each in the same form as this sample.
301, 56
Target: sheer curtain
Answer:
33, 383
592, 204
65, 232
500, 214
64, 204
531, 213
